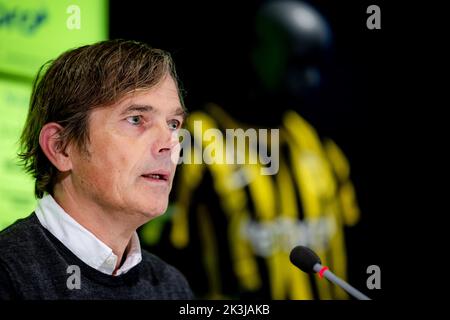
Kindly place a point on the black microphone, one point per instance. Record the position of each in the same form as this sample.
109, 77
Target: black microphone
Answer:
308, 261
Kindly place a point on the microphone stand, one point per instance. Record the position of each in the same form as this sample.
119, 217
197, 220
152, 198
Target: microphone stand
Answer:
338, 281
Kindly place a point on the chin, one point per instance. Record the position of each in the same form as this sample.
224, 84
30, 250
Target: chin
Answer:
155, 210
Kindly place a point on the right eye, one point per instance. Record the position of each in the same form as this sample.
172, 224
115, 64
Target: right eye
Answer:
135, 120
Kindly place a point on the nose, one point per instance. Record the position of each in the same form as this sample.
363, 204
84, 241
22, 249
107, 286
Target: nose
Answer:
165, 141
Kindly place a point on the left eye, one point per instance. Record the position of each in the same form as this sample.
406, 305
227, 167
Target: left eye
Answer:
135, 120
174, 124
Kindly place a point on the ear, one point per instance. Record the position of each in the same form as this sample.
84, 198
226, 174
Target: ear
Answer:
51, 146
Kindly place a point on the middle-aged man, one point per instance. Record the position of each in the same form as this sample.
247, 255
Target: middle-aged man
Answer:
101, 143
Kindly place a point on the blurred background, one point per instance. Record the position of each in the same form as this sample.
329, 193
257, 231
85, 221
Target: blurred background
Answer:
310, 68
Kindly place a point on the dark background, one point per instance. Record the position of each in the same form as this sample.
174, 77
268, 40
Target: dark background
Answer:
209, 41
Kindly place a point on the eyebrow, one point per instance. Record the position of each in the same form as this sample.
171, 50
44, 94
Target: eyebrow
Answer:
137, 107
180, 111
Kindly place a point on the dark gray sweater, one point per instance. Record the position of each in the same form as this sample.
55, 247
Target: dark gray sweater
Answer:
34, 265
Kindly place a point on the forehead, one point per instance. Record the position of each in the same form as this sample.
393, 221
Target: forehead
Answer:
162, 98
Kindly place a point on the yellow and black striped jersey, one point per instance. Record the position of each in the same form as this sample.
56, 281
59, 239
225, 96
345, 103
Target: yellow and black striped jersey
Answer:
230, 229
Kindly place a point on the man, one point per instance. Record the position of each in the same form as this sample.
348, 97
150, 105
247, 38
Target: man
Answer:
101, 142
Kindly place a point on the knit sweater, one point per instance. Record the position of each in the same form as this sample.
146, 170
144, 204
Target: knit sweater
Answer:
36, 265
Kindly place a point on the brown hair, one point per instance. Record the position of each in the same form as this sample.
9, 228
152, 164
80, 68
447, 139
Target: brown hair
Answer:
68, 88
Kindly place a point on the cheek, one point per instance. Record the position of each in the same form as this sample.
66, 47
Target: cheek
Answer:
92, 173
104, 169
112, 168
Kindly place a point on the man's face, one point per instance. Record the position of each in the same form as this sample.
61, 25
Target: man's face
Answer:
132, 147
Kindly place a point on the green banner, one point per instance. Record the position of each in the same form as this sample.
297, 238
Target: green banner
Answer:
34, 31
16, 188
31, 33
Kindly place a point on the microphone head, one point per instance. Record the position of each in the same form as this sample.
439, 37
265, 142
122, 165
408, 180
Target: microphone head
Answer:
304, 258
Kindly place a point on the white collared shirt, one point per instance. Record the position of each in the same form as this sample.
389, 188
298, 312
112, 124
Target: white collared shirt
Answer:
87, 247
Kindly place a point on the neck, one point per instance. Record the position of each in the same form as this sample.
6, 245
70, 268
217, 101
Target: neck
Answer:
112, 228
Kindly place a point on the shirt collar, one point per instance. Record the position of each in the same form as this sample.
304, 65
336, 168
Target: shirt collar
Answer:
85, 245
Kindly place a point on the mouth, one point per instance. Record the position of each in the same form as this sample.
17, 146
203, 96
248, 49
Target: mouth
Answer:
157, 176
